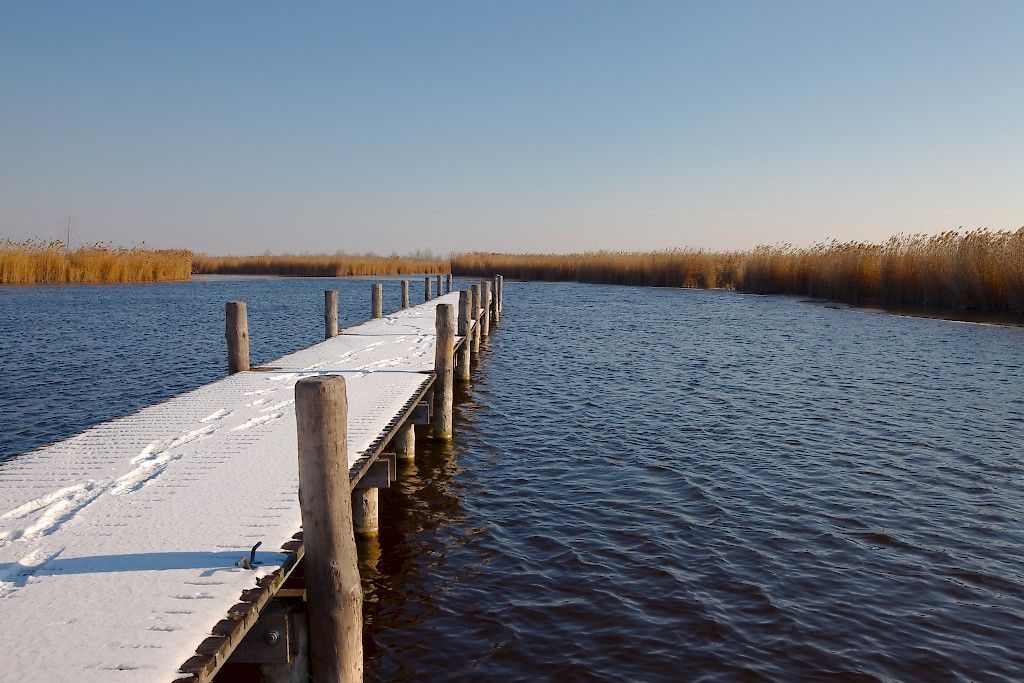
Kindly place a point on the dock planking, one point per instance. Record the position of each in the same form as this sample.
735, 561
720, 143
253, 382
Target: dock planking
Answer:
119, 546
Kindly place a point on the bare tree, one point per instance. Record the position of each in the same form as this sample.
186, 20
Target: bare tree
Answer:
69, 228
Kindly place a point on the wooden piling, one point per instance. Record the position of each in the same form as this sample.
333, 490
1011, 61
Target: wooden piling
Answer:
440, 288
496, 294
325, 501
495, 313
236, 331
448, 280
428, 293
465, 315
444, 361
377, 301
405, 294
501, 294
330, 313
405, 442
365, 512
485, 309
475, 346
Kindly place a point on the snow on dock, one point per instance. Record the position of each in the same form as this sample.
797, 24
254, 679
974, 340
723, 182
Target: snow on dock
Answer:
118, 546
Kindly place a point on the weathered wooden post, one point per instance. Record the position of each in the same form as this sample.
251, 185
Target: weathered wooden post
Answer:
365, 512
236, 331
501, 293
495, 313
332, 572
427, 291
485, 308
405, 442
448, 280
444, 361
405, 294
330, 313
377, 301
465, 315
475, 289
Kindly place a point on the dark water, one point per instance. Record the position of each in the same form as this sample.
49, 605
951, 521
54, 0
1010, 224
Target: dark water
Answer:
645, 484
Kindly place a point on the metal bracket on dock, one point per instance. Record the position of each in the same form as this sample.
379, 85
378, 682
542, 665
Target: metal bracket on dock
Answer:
421, 413
380, 474
269, 640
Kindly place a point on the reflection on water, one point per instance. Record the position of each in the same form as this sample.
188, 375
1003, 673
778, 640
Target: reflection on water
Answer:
413, 512
645, 484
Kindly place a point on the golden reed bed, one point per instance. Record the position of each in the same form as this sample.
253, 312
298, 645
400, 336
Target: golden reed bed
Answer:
35, 262
336, 265
980, 270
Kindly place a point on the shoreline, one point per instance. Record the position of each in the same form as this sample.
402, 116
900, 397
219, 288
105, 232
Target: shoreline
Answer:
993, 318
972, 317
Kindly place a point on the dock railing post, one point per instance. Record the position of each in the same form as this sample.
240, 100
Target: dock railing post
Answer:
444, 361
377, 300
448, 280
330, 313
485, 308
475, 289
405, 294
236, 331
427, 291
332, 571
465, 315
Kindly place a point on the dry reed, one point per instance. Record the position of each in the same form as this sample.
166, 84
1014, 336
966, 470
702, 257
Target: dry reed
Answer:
980, 270
676, 268
36, 262
318, 265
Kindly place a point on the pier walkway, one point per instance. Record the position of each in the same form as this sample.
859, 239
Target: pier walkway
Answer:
120, 547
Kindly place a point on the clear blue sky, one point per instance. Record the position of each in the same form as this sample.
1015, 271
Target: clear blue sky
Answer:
509, 126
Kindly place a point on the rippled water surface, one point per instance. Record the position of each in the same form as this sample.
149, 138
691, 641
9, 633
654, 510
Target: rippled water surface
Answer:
645, 484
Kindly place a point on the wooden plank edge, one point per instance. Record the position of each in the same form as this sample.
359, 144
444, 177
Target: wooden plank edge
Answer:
215, 649
366, 458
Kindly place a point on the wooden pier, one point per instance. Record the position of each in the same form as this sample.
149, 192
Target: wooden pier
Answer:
162, 545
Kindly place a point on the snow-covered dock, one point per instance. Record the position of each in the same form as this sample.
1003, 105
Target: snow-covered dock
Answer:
120, 546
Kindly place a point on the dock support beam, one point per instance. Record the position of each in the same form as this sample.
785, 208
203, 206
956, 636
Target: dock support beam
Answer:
325, 502
465, 315
428, 292
448, 280
440, 287
485, 308
501, 294
405, 294
475, 289
405, 442
365, 512
444, 360
236, 331
378, 301
330, 313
